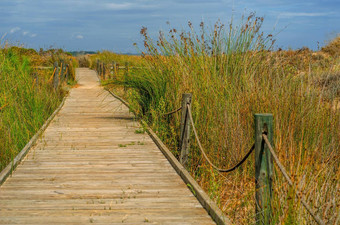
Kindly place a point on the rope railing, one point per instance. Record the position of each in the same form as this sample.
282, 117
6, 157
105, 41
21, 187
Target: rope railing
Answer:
286, 176
172, 112
205, 155
60, 74
111, 70
263, 160
264, 153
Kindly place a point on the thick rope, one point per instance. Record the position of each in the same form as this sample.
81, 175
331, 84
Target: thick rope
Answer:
205, 155
172, 112
49, 80
284, 172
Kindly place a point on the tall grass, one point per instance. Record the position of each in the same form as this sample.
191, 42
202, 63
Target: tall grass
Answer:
233, 73
27, 98
108, 57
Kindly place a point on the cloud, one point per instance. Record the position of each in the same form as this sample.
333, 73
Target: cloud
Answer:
28, 33
302, 14
79, 36
131, 6
119, 6
14, 29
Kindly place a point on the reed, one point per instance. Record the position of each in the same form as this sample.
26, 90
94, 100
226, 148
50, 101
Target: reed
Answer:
27, 97
233, 72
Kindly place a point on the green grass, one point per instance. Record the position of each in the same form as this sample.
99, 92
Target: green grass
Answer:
233, 73
27, 99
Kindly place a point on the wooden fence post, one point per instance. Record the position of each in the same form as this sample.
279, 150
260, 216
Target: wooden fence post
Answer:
111, 71
99, 68
114, 70
36, 77
61, 71
185, 129
56, 76
104, 71
117, 69
67, 72
263, 168
126, 68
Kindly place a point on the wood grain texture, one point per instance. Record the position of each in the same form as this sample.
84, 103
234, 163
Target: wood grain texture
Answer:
90, 166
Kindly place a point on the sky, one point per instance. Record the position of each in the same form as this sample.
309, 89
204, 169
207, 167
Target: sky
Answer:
93, 25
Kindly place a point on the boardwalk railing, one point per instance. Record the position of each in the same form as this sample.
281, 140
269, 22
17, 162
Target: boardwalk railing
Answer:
61, 73
111, 70
264, 155
264, 152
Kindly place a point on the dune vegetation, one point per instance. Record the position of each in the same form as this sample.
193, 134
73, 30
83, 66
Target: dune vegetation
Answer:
27, 96
233, 72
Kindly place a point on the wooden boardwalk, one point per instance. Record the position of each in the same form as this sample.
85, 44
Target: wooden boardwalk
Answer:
91, 166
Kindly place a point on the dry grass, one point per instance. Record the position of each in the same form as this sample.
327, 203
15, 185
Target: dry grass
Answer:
233, 73
108, 57
333, 47
26, 96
